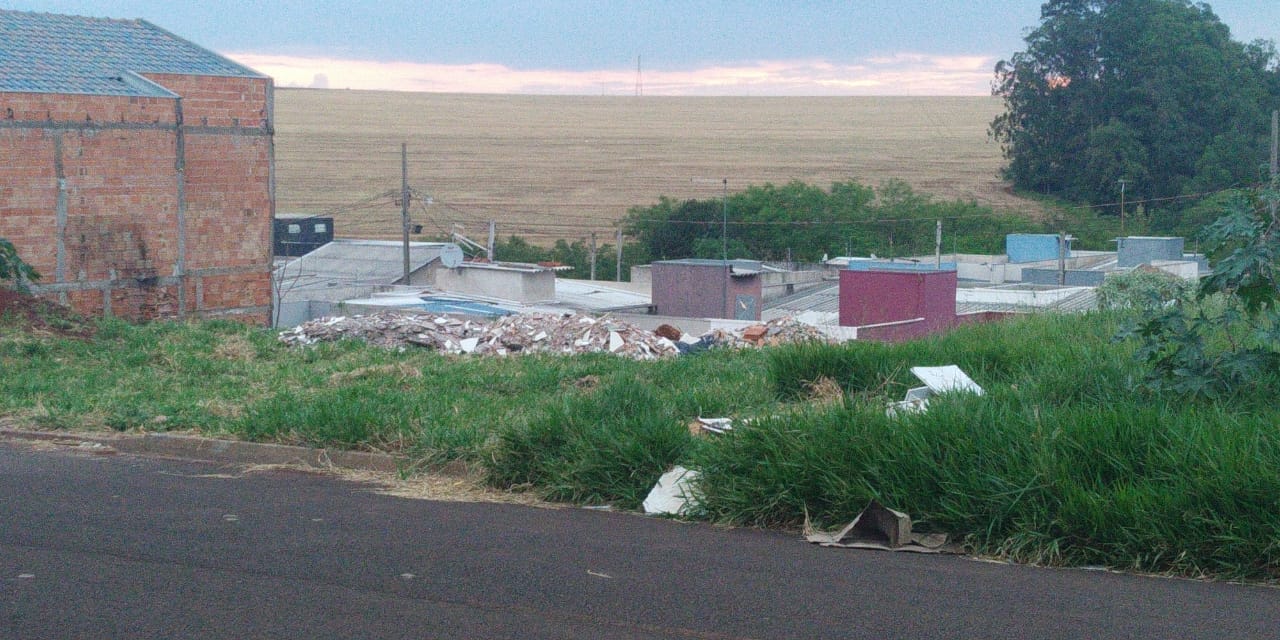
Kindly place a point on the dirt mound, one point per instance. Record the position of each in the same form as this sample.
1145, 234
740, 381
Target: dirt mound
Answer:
37, 315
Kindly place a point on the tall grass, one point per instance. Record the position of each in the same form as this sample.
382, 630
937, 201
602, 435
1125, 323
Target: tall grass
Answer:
1062, 462
1065, 460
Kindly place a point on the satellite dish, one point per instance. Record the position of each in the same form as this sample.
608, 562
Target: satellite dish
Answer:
451, 256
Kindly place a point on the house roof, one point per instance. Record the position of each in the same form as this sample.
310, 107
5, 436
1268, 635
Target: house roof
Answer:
346, 268
54, 53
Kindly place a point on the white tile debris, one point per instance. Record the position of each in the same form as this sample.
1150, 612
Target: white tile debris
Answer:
937, 380
673, 494
529, 333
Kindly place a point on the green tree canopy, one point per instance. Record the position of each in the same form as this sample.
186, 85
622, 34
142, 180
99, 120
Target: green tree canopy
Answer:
805, 222
1152, 91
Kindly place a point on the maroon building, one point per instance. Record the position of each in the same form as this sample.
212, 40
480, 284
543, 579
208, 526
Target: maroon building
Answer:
897, 301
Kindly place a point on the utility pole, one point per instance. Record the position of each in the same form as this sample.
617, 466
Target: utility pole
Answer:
1121, 206
1062, 258
618, 276
404, 203
724, 251
493, 232
593, 255
937, 246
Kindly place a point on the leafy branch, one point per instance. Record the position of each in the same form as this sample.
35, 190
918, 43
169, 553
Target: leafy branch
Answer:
1230, 336
13, 268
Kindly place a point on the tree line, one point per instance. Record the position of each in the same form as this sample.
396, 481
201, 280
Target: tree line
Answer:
796, 221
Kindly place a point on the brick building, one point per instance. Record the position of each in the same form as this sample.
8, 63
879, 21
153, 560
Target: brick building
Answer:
136, 168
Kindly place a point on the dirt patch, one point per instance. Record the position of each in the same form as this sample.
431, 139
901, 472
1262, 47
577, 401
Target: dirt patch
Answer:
36, 315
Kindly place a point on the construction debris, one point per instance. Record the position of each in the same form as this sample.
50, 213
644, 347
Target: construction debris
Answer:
718, 426
673, 495
774, 332
535, 333
879, 527
937, 380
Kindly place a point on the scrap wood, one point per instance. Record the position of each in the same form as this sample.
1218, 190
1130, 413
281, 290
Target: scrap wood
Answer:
879, 527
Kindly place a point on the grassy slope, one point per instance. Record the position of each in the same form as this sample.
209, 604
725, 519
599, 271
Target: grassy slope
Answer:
1062, 462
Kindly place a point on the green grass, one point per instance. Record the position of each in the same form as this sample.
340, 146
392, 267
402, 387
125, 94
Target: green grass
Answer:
1065, 460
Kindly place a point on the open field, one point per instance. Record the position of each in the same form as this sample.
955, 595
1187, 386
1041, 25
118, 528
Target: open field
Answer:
549, 167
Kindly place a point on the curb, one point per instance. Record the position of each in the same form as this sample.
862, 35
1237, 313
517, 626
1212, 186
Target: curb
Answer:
225, 451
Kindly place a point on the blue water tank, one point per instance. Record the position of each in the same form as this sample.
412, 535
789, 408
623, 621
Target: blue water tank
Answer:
1032, 247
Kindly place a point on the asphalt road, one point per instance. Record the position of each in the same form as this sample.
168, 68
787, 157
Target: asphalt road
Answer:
129, 547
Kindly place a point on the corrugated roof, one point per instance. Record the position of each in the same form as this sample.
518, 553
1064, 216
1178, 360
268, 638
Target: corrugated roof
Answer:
54, 53
346, 268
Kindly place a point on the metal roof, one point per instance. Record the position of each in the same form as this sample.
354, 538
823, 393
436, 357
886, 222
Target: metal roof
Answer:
345, 268
54, 53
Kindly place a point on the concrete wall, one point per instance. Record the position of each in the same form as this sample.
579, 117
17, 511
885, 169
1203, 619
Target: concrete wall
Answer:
883, 297
777, 284
497, 281
1185, 269
1135, 250
1074, 277
144, 207
642, 274
703, 291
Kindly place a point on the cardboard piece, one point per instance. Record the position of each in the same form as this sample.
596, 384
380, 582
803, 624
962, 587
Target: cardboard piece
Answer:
879, 527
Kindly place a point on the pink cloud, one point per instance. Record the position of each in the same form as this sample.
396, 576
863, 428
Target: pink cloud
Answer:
900, 74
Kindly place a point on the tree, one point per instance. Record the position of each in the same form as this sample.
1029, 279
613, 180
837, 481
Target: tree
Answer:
1153, 91
1229, 340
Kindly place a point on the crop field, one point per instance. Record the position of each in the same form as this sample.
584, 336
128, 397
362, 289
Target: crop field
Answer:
548, 167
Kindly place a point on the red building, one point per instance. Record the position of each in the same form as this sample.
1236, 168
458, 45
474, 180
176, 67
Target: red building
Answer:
897, 301
136, 168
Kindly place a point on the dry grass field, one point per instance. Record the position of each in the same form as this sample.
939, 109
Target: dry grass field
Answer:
549, 167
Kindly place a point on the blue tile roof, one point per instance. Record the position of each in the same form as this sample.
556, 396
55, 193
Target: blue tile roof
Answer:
52, 53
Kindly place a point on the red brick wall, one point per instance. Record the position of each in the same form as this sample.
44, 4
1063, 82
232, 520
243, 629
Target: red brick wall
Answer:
213, 101
28, 191
119, 159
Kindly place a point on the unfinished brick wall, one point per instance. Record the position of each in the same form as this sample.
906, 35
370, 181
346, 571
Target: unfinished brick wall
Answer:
143, 207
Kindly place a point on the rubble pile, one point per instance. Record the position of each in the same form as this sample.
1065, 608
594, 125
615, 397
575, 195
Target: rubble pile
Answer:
536, 333
387, 329
526, 333
774, 332
551, 333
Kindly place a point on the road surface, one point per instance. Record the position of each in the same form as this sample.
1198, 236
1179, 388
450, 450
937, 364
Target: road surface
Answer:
95, 546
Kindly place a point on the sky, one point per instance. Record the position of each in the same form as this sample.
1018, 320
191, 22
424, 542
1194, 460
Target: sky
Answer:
654, 47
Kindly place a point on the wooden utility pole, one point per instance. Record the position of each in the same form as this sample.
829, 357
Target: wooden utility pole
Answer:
404, 204
618, 276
